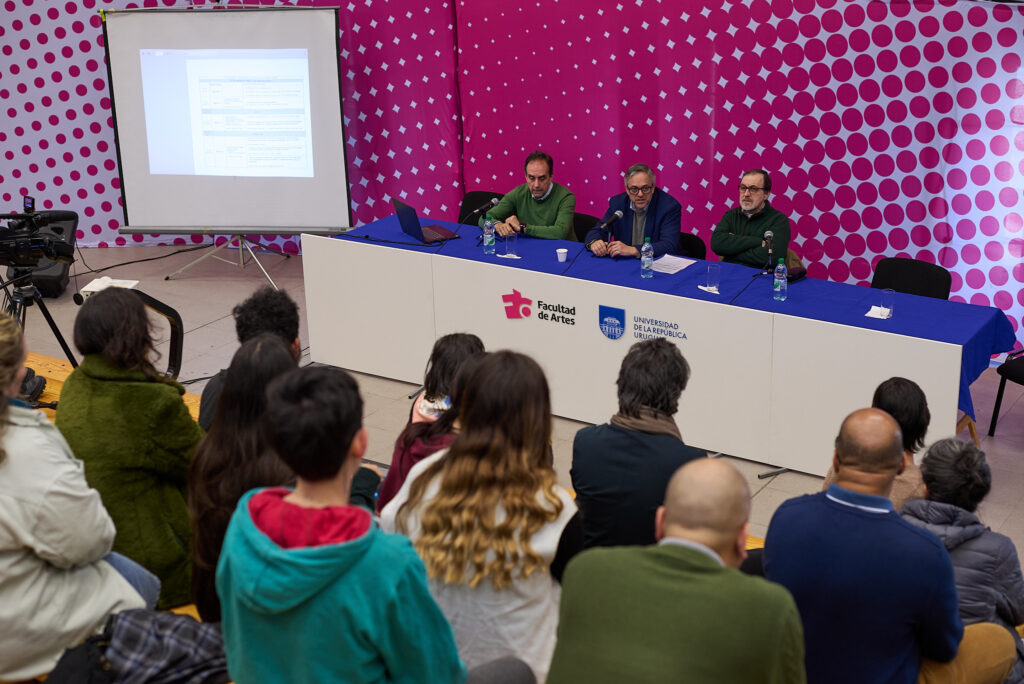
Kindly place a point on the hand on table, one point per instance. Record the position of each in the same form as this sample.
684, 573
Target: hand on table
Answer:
621, 249
599, 248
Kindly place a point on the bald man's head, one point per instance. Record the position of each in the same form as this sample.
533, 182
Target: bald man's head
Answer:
870, 441
707, 501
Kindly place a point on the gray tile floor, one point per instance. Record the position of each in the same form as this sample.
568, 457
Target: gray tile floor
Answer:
205, 295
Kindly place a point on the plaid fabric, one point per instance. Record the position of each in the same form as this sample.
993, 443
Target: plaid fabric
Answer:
160, 648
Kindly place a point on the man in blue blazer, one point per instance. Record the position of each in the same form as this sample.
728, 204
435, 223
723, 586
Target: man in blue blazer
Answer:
645, 212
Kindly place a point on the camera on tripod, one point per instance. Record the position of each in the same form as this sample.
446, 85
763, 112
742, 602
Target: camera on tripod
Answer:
37, 247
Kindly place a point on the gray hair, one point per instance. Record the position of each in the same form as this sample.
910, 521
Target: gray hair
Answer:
639, 168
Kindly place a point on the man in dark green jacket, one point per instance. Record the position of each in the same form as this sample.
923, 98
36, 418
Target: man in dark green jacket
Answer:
539, 207
739, 237
680, 611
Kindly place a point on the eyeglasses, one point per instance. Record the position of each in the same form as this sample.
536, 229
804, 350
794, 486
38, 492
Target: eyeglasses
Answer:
634, 190
750, 188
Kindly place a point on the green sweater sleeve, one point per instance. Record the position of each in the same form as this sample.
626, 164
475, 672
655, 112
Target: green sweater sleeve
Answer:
757, 255
506, 207
735, 241
550, 218
561, 227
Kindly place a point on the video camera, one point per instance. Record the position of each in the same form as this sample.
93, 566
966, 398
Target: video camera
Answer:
24, 242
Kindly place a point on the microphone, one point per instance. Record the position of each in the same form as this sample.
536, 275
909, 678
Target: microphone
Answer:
614, 217
493, 202
769, 236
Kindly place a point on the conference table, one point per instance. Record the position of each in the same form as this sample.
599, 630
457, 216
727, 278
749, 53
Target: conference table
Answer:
770, 380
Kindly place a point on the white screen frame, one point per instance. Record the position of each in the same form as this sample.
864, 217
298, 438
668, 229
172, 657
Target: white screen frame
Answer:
287, 205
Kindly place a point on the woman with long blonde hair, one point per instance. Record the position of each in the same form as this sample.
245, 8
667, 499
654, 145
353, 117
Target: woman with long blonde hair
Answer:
492, 526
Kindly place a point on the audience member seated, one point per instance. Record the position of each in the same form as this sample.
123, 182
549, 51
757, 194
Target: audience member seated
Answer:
620, 469
265, 311
131, 428
679, 611
905, 401
875, 593
434, 420
232, 459
307, 583
58, 580
539, 207
988, 577
491, 525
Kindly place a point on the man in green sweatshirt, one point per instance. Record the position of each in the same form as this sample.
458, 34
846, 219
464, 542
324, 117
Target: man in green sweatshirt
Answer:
739, 237
539, 207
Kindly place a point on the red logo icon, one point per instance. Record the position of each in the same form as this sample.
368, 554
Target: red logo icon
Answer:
516, 305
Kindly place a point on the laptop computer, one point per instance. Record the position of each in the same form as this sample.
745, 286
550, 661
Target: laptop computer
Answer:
410, 224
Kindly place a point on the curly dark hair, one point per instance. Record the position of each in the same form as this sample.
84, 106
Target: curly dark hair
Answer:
653, 374
113, 323
956, 473
267, 310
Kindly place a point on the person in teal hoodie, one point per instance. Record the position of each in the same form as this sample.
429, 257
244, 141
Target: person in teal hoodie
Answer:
311, 589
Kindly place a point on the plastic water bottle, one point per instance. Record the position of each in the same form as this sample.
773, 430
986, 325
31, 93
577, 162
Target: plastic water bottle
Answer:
488, 236
647, 259
780, 284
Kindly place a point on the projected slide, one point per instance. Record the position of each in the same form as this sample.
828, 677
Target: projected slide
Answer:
228, 112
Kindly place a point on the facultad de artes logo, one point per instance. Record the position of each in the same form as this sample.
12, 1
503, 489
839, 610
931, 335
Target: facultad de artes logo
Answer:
516, 305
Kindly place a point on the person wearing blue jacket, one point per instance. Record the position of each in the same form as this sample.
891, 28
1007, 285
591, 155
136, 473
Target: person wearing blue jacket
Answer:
645, 212
311, 589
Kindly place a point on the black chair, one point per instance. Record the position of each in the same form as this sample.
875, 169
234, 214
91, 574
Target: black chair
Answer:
581, 225
692, 246
911, 276
1012, 370
474, 200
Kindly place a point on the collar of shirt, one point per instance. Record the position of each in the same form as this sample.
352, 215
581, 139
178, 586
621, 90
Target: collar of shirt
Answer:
541, 199
865, 502
686, 543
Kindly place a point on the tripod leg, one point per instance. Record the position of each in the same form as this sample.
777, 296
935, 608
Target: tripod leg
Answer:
53, 328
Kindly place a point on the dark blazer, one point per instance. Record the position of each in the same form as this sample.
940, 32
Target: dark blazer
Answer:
662, 224
620, 478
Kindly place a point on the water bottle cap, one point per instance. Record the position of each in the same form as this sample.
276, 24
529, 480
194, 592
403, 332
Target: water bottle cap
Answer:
781, 260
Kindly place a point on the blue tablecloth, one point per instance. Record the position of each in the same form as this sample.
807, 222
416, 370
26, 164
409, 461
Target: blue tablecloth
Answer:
981, 331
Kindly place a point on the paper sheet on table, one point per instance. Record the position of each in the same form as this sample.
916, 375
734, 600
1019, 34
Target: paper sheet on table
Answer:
878, 312
670, 263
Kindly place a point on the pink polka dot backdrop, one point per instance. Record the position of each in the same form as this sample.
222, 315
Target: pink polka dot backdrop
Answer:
890, 128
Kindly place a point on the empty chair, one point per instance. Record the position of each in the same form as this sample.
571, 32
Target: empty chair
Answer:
912, 277
1013, 370
474, 200
692, 246
581, 225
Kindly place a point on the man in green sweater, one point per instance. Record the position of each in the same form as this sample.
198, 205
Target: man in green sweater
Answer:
539, 207
680, 611
739, 237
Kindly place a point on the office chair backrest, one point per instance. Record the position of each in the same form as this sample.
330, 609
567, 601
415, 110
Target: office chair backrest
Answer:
581, 225
692, 246
912, 277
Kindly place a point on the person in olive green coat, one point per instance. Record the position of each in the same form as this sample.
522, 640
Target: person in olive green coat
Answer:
131, 428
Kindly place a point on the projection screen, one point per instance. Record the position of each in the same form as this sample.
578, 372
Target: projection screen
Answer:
229, 118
